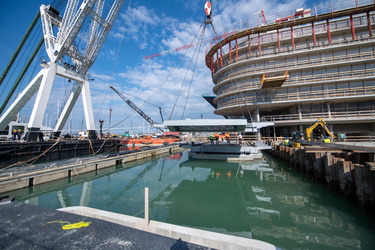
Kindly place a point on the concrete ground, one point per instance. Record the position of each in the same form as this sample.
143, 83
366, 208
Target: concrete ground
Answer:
25, 226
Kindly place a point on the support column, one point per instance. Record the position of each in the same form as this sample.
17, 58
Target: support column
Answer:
248, 44
369, 25
329, 32
230, 51
217, 59
221, 56
313, 33
354, 37
87, 106
236, 49
329, 110
259, 46
300, 127
292, 37
21, 100
257, 115
77, 88
41, 101
278, 41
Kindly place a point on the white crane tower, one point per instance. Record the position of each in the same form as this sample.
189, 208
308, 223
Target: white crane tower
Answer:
60, 34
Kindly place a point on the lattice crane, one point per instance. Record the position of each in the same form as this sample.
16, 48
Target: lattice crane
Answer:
136, 108
60, 37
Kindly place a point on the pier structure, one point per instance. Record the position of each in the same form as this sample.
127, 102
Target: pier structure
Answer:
346, 168
317, 62
32, 175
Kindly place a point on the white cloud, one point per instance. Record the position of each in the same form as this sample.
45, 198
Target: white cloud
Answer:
165, 81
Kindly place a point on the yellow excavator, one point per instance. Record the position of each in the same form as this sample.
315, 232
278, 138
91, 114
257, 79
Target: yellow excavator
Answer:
318, 131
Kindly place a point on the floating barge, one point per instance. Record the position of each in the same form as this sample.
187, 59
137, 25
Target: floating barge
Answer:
37, 152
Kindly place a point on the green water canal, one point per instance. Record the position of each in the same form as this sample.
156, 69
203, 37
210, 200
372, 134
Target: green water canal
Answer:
264, 200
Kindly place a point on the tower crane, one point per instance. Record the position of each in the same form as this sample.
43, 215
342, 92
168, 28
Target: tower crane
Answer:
135, 108
61, 39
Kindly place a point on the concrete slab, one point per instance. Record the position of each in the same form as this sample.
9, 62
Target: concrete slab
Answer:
185, 234
25, 226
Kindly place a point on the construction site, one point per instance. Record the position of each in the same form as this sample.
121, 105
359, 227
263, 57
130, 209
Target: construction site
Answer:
315, 63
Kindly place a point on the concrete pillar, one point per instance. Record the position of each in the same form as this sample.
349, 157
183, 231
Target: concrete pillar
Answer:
257, 115
329, 109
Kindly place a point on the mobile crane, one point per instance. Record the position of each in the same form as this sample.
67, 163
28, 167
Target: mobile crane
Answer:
135, 108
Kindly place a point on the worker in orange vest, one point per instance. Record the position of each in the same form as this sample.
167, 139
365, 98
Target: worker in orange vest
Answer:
227, 137
217, 136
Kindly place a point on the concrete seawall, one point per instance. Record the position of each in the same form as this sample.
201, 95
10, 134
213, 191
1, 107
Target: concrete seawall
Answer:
350, 173
13, 180
196, 236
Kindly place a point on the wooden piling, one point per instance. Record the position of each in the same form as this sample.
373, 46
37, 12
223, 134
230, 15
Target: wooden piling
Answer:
336, 169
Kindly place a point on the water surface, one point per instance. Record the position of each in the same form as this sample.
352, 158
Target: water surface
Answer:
264, 200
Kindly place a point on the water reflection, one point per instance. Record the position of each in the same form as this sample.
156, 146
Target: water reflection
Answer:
262, 199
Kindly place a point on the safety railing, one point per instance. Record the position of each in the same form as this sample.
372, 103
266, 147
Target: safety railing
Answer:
297, 96
297, 64
325, 115
324, 7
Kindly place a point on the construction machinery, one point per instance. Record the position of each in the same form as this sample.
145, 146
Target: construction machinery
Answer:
316, 132
135, 108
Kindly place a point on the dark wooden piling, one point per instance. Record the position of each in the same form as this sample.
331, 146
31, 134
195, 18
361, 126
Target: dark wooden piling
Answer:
342, 170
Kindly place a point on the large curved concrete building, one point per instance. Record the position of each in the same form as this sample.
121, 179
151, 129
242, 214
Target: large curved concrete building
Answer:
299, 68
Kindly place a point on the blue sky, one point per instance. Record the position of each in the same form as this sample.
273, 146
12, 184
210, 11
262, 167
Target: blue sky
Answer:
143, 28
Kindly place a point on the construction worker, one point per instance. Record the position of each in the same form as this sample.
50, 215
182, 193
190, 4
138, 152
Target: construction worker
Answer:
239, 138
19, 133
14, 135
212, 138
227, 137
217, 136
286, 141
327, 140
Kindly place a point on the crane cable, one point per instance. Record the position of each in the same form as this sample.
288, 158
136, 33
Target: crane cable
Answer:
113, 70
192, 76
161, 85
182, 84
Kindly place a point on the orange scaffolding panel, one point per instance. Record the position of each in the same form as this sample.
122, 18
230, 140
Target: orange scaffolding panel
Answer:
273, 81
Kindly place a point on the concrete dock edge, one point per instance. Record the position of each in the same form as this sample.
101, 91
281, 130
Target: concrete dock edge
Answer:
191, 235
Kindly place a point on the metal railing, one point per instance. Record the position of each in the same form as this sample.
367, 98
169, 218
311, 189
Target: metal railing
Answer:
325, 115
297, 96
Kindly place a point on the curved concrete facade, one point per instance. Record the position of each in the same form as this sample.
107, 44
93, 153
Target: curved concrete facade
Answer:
294, 71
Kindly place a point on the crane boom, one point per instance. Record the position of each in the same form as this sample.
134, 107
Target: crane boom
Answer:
135, 108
